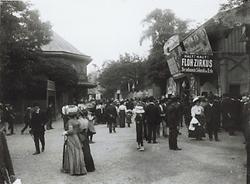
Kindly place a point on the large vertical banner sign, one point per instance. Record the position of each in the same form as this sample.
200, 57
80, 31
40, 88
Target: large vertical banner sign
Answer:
173, 61
197, 42
172, 65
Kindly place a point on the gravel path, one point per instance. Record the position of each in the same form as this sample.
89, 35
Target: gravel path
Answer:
117, 161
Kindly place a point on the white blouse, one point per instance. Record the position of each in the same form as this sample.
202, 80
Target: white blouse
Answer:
197, 110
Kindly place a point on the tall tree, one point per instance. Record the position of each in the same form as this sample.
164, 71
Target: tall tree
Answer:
22, 35
160, 26
124, 74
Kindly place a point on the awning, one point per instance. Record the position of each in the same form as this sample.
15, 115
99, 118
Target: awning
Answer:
178, 76
87, 84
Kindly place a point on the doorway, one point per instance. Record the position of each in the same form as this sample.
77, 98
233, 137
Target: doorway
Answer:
234, 90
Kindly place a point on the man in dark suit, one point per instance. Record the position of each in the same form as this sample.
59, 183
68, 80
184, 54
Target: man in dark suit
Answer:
153, 118
37, 127
212, 114
228, 117
111, 115
173, 120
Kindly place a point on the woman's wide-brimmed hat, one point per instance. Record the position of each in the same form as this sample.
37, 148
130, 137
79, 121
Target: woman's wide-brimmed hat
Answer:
72, 110
139, 109
196, 99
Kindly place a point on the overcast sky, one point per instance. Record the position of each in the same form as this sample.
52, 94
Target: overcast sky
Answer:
104, 29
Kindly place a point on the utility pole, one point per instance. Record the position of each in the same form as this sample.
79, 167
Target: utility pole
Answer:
0, 10
1, 93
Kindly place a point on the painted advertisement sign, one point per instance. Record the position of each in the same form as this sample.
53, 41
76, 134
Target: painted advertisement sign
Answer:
195, 63
197, 42
173, 61
171, 43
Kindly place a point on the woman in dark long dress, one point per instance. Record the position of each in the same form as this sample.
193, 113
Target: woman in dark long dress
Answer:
122, 114
139, 120
90, 166
73, 157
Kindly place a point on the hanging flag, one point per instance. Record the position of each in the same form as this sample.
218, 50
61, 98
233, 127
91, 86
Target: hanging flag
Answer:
133, 87
128, 87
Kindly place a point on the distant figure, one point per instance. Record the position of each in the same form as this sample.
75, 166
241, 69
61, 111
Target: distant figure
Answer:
99, 113
65, 116
228, 118
163, 109
139, 121
50, 116
122, 114
111, 115
129, 115
37, 124
8, 118
26, 119
130, 104
91, 127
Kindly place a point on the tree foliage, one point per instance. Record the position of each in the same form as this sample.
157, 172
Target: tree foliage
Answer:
63, 74
160, 26
127, 70
230, 4
22, 35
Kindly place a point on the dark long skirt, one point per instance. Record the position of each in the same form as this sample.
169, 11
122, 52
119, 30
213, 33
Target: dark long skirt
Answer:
198, 133
89, 162
122, 118
139, 133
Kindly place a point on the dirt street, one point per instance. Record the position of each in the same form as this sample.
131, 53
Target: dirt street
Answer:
117, 160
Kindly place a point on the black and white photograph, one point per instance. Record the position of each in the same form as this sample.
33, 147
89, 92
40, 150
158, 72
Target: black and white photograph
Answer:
125, 92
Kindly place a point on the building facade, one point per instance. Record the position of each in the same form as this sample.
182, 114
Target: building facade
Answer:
62, 51
215, 57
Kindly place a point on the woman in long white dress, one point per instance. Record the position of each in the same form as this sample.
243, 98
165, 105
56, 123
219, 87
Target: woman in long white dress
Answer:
196, 129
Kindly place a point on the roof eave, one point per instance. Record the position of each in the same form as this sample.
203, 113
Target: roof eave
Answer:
86, 58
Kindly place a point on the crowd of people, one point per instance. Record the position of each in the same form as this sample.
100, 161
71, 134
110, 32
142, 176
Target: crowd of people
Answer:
152, 118
165, 116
